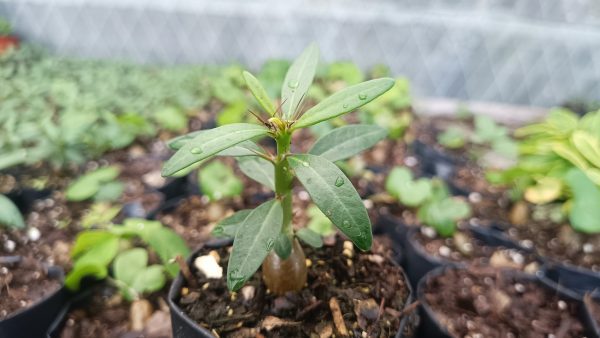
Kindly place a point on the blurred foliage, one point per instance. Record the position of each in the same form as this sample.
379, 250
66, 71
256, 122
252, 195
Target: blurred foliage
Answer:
10, 216
5, 28
435, 206
100, 185
549, 152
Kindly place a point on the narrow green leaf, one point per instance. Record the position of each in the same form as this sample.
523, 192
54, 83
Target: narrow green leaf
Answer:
128, 264
298, 79
334, 194
310, 237
10, 215
230, 225
218, 181
253, 241
567, 152
177, 142
344, 101
260, 94
211, 142
584, 213
246, 148
347, 141
258, 169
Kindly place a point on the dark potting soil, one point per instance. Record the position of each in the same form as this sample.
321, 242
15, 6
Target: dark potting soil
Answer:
106, 315
23, 283
368, 288
463, 247
559, 242
483, 302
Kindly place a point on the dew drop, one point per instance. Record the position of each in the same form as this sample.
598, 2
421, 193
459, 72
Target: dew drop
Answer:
345, 105
346, 223
362, 96
293, 84
196, 150
328, 212
339, 181
305, 164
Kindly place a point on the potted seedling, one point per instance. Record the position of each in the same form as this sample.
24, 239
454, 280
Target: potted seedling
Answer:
35, 289
7, 40
556, 189
295, 284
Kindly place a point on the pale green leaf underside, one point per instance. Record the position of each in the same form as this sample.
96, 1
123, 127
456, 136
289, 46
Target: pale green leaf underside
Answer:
253, 241
128, 264
211, 142
230, 225
298, 79
10, 215
334, 194
347, 141
259, 92
344, 101
258, 169
310, 237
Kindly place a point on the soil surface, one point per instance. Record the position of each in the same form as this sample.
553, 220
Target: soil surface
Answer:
464, 247
369, 290
104, 314
559, 242
483, 302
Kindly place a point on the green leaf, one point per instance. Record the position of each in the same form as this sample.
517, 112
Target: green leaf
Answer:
283, 246
546, 190
210, 142
129, 264
442, 214
230, 225
100, 215
310, 237
400, 184
298, 79
73, 279
452, 138
150, 279
347, 141
246, 148
87, 239
167, 245
344, 101
319, 223
334, 194
260, 94
567, 152
234, 112
218, 181
585, 213
588, 146
93, 254
253, 241
258, 169
10, 215
110, 191
177, 142
88, 185
171, 118
487, 130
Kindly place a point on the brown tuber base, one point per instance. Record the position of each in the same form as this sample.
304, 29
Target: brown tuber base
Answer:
287, 275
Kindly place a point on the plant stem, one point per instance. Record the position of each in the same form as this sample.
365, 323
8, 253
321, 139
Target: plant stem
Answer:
283, 182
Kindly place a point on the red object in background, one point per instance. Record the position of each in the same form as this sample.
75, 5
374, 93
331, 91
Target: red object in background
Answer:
8, 41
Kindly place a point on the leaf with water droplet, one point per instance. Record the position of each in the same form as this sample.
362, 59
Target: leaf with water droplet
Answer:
253, 237
293, 84
347, 141
362, 96
298, 79
342, 205
333, 106
339, 181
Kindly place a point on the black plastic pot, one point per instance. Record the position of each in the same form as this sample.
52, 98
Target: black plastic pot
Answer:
430, 326
184, 327
589, 317
492, 236
24, 198
433, 162
34, 321
396, 230
576, 281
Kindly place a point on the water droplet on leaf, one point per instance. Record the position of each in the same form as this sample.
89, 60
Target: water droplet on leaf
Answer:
270, 244
346, 223
196, 150
339, 181
345, 105
362, 96
293, 84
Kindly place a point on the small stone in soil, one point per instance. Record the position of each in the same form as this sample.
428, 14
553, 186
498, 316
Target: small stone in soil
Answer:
33, 234
209, 267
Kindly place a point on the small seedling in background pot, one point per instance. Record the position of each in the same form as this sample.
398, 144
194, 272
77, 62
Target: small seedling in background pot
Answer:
265, 235
10, 216
435, 207
99, 185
